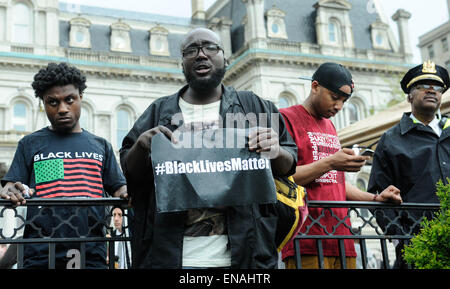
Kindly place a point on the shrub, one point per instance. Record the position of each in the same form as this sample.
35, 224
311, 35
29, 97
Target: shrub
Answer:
430, 248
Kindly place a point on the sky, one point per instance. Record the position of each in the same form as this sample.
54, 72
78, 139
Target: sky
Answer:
426, 15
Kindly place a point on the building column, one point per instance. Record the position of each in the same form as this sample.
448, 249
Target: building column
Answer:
222, 26
401, 17
255, 18
198, 9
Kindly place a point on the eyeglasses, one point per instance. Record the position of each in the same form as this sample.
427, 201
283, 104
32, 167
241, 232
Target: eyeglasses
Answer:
207, 49
424, 87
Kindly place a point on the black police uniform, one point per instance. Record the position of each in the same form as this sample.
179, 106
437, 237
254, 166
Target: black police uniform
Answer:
412, 157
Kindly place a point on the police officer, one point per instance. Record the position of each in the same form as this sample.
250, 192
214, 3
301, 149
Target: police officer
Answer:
414, 154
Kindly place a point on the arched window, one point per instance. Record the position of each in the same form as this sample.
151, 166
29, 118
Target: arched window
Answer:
283, 102
86, 118
286, 99
352, 110
19, 117
361, 184
123, 125
21, 23
333, 31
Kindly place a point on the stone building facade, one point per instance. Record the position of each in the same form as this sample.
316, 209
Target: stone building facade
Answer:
132, 58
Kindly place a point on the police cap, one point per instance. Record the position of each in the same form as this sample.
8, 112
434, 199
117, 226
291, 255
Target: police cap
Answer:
426, 71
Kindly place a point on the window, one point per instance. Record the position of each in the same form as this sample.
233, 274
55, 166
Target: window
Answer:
361, 184
352, 111
431, 51
21, 23
444, 44
276, 26
286, 99
79, 35
159, 44
123, 125
283, 102
19, 120
379, 39
120, 37
333, 32
85, 118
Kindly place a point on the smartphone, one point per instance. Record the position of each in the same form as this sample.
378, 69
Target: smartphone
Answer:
367, 152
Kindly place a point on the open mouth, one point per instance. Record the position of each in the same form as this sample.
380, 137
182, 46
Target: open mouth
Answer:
202, 69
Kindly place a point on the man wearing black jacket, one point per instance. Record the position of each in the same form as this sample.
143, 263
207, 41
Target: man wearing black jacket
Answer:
223, 237
414, 154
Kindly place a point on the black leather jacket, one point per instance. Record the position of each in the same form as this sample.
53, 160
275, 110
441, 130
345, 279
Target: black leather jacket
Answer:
158, 237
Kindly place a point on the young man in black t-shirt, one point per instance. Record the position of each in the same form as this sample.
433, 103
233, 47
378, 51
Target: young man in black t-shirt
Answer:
63, 161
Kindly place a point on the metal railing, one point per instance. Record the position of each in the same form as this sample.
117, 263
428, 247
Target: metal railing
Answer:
400, 223
89, 221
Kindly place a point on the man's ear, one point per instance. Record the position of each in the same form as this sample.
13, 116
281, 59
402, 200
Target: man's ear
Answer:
314, 85
409, 97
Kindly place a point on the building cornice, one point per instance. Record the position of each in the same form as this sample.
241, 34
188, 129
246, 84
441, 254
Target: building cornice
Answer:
106, 65
251, 56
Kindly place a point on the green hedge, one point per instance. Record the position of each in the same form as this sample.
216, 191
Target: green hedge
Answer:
430, 248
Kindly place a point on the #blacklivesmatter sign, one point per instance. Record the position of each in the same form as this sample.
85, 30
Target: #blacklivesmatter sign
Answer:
209, 168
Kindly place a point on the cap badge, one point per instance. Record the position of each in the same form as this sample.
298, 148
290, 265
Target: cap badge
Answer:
429, 67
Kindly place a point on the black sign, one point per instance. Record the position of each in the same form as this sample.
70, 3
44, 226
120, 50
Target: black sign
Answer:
207, 169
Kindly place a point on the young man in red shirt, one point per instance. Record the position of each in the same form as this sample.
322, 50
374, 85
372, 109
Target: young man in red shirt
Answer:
322, 163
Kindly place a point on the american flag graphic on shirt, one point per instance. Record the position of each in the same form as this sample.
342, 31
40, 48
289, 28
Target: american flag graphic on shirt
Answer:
68, 178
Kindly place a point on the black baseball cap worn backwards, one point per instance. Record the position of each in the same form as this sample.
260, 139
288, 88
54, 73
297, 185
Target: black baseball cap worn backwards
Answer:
426, 71
333, 76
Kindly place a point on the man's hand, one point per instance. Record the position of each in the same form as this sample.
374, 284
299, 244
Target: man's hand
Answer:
123, 194
145, 139
16, 192
136, 162
390, 194
346, 160
264, 140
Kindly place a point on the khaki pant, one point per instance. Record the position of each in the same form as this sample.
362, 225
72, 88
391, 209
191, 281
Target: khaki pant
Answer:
312, 262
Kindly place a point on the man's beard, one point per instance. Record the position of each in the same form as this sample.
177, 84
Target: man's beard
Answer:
199, 84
